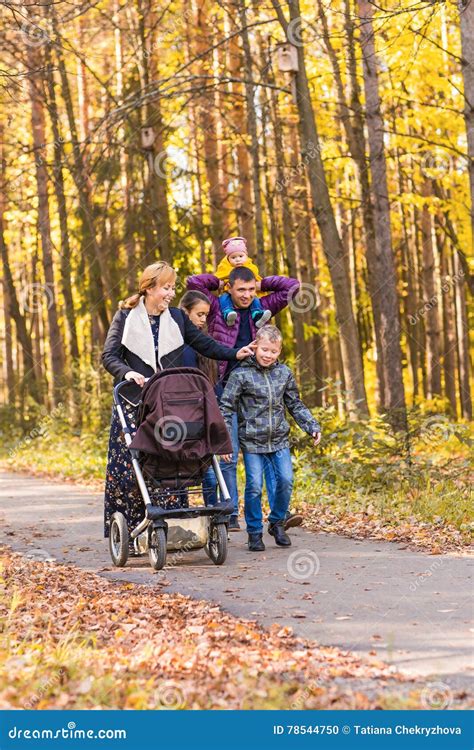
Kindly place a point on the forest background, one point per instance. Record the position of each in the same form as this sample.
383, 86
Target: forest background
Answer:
337, 137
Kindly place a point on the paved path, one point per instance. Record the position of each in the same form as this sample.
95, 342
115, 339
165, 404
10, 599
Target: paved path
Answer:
414, 610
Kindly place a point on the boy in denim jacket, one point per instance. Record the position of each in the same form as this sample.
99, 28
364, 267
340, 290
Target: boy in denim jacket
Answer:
260, 391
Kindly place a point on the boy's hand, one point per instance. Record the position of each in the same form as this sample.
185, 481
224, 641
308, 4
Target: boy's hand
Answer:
227, 457
317, 437
259, 286
221, 285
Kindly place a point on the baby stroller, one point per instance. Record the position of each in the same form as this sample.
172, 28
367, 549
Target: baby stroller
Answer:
179, 431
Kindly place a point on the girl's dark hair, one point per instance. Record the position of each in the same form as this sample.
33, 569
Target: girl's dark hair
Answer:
189, 300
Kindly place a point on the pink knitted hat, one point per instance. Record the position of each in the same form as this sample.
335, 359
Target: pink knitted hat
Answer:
235, 244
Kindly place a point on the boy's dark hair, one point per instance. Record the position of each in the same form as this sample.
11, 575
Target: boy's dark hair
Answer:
241, 273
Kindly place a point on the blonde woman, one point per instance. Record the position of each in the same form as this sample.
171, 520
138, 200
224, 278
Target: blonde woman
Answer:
146, 335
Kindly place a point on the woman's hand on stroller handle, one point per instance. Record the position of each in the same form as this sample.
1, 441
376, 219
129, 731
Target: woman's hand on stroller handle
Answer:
137, 377
247, 351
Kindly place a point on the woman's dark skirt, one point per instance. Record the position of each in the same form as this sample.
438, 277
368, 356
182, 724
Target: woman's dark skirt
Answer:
121, 489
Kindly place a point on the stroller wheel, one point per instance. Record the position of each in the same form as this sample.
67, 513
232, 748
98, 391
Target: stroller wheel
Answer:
216, 547
157, 549
118, 540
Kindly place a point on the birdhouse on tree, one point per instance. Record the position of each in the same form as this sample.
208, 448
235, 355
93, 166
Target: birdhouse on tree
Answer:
287, 58
148, 138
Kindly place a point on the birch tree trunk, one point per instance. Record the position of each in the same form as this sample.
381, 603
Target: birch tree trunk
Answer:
430, 310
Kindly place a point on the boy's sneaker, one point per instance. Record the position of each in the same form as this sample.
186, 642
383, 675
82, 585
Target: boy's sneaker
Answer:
234, 524
277, 531
292, 519
261, 317
230, 318
255, 543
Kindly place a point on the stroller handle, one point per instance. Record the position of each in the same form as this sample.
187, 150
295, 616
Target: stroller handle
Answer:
120, 386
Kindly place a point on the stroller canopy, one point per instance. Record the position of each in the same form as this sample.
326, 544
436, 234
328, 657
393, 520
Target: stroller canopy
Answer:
179, 419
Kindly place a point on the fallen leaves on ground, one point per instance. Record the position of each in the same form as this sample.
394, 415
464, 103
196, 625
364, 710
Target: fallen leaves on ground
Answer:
72, 639
433, 538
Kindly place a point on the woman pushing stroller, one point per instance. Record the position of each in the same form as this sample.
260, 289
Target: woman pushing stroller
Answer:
147, 335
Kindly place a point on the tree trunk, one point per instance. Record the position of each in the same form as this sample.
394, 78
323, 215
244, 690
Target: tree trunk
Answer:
250, 97
208, 123
449, 332
126, 165
466, 8
380, 264
463, 339
238, 119
100, 278
324, 214
65, 254
14, 311
157, 157
8, 349
431, 315
35, 64
353, 122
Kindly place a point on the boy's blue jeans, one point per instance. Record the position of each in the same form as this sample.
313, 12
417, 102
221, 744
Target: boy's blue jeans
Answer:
282, 469
229, 471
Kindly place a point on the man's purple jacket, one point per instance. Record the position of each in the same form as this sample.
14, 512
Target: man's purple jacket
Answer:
280, 290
